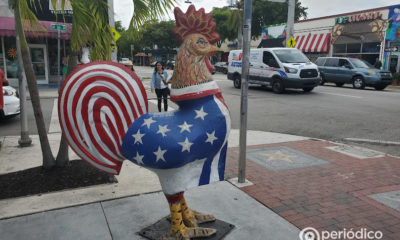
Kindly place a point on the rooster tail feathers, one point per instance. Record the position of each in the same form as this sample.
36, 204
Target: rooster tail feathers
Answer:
97, 104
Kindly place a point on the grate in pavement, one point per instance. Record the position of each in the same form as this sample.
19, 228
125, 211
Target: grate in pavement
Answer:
390, 199
282, 158
358, 152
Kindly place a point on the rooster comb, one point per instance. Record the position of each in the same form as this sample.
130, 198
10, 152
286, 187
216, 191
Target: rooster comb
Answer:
194, 22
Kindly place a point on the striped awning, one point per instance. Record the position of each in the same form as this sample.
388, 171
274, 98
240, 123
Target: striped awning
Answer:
313, 43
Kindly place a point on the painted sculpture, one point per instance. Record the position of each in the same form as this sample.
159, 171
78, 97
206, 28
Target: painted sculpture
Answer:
103, 113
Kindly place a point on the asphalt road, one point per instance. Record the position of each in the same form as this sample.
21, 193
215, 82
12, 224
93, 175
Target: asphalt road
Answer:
328, 112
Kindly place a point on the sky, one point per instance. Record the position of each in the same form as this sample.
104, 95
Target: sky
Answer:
316, 8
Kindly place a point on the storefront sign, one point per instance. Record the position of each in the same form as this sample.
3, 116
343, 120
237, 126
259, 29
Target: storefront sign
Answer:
358, 17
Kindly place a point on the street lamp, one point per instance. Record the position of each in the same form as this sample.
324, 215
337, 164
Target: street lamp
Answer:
187, 1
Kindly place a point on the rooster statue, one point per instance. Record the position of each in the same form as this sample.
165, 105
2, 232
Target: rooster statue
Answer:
103, 113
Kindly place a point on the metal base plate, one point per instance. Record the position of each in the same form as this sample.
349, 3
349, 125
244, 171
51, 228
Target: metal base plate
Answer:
159, 229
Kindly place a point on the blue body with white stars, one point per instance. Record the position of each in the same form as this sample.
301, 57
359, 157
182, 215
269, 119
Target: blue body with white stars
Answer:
169, 143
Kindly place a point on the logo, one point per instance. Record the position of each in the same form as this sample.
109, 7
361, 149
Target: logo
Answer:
237, 57
309, 233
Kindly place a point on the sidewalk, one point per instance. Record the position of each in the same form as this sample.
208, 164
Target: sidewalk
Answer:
296, 182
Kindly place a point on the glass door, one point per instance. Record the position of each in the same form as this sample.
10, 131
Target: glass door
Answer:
39, 62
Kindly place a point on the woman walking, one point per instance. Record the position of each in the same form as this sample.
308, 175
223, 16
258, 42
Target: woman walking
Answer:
159, 83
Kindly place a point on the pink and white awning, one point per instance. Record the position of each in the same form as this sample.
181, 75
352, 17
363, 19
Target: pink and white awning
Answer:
313, 43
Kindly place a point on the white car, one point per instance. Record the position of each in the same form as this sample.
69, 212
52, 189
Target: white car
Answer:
11, 103
124, 60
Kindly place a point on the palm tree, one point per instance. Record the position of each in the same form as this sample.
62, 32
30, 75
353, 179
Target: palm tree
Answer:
90, 28
22, 12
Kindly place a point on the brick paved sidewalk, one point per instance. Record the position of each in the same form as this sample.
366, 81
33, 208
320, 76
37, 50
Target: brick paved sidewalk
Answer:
311, 185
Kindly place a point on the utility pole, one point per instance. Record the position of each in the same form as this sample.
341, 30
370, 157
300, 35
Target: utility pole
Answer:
245, 76
290, 20
25, 140
112, 24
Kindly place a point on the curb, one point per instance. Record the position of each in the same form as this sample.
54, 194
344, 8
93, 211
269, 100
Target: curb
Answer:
377, 142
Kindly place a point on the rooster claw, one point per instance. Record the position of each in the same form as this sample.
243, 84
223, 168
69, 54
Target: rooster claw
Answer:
190, 233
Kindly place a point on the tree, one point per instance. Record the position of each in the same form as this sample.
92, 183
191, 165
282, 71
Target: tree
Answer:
221, 17
22, 12
90, 28
160, 34
264, 13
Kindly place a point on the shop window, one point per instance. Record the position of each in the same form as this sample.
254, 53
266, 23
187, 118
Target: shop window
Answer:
354, 48
339, 48
10, 53
373, 47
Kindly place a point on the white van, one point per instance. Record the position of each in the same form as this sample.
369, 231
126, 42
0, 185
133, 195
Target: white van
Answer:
278, 68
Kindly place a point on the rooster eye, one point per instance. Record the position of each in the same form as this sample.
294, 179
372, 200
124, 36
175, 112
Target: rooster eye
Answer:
201, 42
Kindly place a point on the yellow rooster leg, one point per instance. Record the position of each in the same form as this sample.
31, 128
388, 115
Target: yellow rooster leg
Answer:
178, 228
180, 231
192, 218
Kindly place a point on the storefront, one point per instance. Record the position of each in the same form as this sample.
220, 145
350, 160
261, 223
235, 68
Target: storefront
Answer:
392, 43
42, 45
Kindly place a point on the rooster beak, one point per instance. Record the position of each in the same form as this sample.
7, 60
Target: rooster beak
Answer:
213, 50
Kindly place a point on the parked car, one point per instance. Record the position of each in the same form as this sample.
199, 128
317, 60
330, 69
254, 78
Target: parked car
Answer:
278, 68
170, 64
11, 103
124, 60
354, 71
153, 64
221, 67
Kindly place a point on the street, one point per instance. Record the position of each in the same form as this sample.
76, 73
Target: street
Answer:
329, 112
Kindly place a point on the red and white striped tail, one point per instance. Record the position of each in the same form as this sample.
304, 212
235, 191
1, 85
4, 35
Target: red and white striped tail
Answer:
97, 104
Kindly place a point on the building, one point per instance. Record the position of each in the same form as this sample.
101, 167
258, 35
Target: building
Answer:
42, 44
367, 34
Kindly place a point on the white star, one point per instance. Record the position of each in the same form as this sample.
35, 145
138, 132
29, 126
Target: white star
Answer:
185, 145
200, 113
148, 122
138, 137
185, 127
139, 158
160, 154
163, 130
211, 137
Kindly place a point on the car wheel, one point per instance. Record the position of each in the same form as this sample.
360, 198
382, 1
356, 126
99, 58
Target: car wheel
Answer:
380, 87
237, 81
277, 86
339, 84
358, 82
322, 80
308, 89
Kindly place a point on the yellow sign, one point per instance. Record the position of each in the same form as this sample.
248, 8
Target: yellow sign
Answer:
116, 34
291, 42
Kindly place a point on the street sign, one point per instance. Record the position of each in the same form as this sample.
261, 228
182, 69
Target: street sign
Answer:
132, 47
291, 42
116, 34
58, 27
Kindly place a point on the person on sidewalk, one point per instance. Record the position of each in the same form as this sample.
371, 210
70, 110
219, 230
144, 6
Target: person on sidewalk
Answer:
3, 81
159, 83
129, 65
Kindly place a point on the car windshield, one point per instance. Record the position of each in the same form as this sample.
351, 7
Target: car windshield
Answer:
291, 56
358, 63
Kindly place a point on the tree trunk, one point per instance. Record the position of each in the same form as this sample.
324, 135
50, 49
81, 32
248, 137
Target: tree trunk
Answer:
62, 155
48, 159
